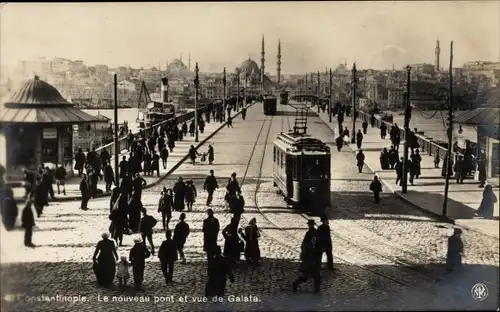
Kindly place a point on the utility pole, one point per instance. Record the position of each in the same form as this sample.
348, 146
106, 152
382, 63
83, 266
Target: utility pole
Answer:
196, 87
245, 90
306, 88
117, 152
450, 135
330, 99
354, 83
406, 145
318, 90
224, 90
238, 85
311, 88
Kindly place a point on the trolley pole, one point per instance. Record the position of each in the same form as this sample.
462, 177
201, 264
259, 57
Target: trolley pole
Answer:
224, 90
354, 82
117, 150
406, 145
196, 87
318, 90
450, 136
330, 99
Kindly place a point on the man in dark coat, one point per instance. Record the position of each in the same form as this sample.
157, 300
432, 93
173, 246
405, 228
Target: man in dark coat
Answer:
181, 232
9, 212
47, 182
193, 153
376, 188
237, 206
372, 120
219, 270
339, 142
460, 170
168, 255
85, 192
105, 157
210, 186
179, 194
94, 180
359, 139
61, 179
28, 222
211, 154
109, 176
164, 157
244, 113
233, 186
161, 142
360, 160
138, 184
146, 227
365, 127
190, 194
124, 167
324, 242
39, 195
80, 161
211, 229
137, 257
134, 212
310, 266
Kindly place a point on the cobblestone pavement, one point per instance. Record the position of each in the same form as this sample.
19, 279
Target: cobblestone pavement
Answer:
66, 238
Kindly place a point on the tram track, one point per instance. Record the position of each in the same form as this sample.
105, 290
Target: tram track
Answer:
292, 241
373, 239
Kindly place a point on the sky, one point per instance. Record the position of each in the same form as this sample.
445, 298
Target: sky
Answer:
313, 35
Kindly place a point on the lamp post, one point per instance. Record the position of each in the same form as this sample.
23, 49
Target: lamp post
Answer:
330, 100
406, 145
318, 90
245, 90
450, 135
117, 151
238, 85
196, 87
224, 90
354, 83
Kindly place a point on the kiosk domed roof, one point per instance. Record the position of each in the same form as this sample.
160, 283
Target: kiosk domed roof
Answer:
36, 92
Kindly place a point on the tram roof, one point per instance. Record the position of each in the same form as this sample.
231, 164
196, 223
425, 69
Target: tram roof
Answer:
301, 143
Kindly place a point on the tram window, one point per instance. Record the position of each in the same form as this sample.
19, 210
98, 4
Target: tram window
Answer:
314, 168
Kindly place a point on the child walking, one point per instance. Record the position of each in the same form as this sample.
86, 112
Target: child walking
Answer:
123, 274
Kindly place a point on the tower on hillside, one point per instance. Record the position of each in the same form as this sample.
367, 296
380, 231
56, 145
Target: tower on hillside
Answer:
437, 53
278, 69
262, 63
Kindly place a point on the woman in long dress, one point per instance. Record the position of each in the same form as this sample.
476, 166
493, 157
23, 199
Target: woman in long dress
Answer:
105, 258
251, 236
487, 203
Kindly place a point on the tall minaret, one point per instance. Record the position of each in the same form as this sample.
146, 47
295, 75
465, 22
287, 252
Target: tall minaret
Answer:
262, 63
189, 62
437, 51
278, 69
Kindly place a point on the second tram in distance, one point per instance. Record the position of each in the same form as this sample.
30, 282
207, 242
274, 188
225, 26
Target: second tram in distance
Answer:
270, 104
301, 171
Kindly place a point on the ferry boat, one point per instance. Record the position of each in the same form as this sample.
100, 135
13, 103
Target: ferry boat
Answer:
155, 113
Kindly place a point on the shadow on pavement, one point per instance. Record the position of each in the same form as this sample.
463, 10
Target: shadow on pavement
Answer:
457, 210
348, 288
357, 205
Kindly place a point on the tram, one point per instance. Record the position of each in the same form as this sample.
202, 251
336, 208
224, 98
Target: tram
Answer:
284, 97
270, 103
301, 171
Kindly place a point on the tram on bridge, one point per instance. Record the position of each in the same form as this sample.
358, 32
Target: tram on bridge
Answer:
301, 167
270, 104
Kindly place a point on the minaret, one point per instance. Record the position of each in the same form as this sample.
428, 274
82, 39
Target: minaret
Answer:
278, 69
189, 62
437, 51
262, 64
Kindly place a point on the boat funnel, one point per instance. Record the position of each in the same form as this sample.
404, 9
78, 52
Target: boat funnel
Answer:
164, 90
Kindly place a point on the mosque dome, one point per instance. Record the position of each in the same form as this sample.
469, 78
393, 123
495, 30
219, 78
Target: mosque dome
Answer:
249, 66
176, 66
36, 92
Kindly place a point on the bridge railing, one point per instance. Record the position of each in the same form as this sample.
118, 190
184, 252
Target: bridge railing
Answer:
123, 141
426, 144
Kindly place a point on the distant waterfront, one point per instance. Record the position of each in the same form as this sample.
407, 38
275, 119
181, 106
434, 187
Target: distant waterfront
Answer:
433, 127
128, 114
